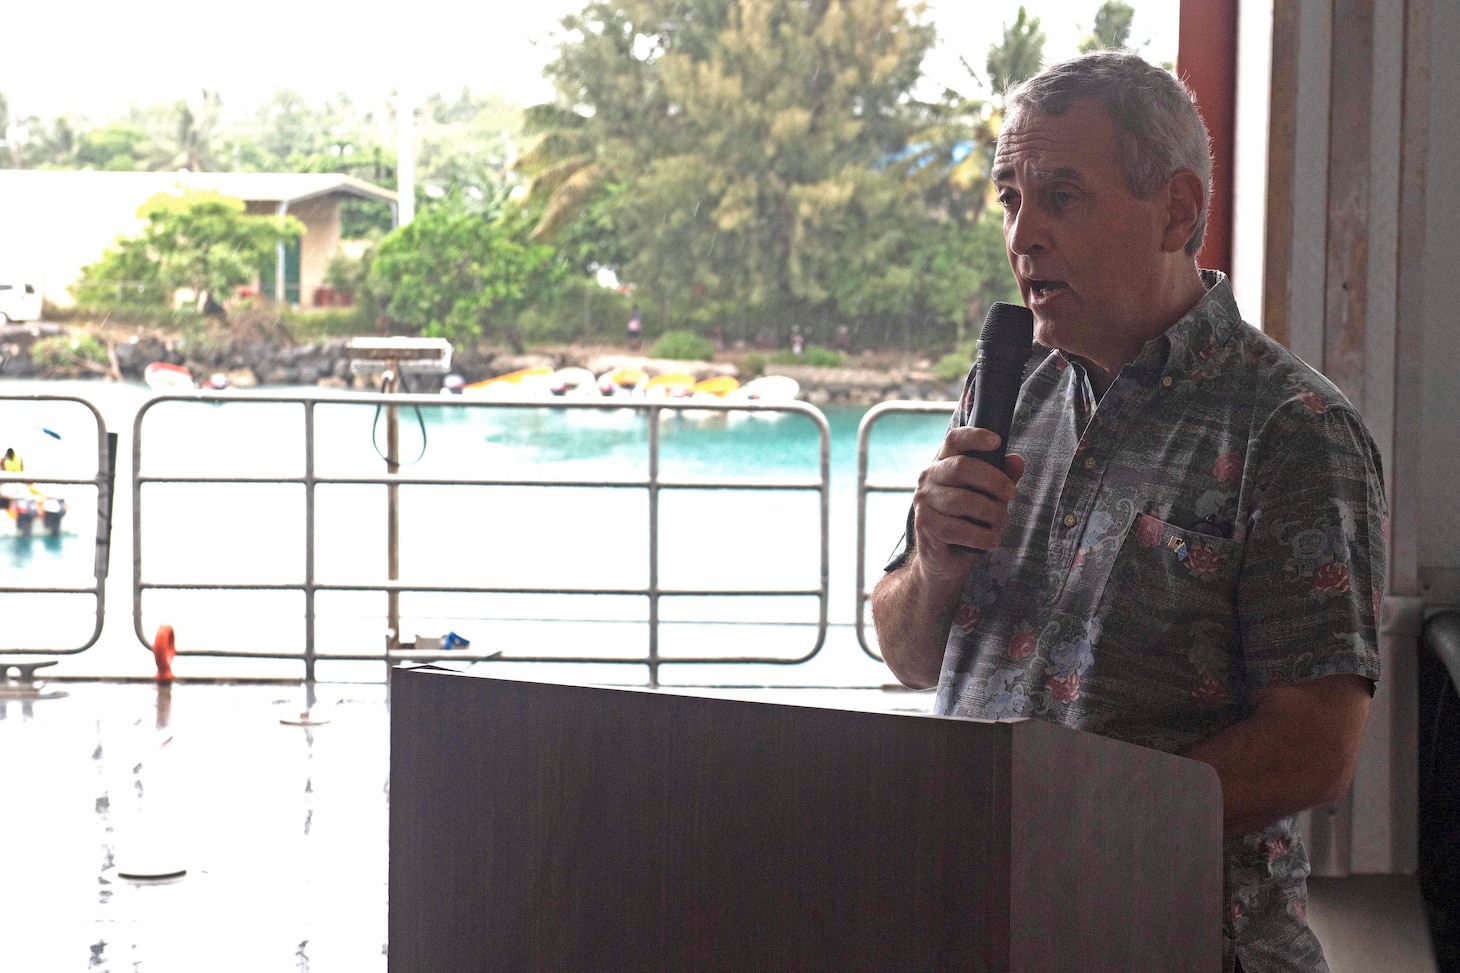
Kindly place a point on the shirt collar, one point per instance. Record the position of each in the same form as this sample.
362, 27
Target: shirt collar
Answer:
1195, 335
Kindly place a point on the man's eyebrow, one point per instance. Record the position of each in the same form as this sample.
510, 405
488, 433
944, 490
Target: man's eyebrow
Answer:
1059, 174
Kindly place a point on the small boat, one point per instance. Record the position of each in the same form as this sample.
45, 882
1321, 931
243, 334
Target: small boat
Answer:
525, 383
768, 390
719, 386
622, 381
574, 383
714, 389
670, 385
162, 376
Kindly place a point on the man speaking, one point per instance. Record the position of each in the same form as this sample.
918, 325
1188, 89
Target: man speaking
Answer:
1184, 549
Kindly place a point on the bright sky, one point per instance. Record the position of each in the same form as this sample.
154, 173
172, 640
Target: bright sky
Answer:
94, 57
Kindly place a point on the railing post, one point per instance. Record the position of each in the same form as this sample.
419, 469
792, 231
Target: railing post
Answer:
309, 578
653, 414
392, 510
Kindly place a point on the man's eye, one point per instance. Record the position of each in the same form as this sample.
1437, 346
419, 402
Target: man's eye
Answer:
1007, 199
1061, 198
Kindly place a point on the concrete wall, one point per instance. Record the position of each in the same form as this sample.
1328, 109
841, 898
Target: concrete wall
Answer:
1439, 405
321, 219
321, 216
1362, 246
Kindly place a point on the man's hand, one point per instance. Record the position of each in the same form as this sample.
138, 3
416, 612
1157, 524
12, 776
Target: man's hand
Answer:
961, 505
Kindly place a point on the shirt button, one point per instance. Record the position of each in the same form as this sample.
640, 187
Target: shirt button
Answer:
1166, 381
1071, 520
1089, 462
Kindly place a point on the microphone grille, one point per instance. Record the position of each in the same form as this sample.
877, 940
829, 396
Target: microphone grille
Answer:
1008, 326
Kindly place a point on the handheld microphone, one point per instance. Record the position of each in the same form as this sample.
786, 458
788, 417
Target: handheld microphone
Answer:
998, 371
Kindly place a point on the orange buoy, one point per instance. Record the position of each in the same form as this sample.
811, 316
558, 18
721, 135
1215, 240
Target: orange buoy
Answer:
164, 648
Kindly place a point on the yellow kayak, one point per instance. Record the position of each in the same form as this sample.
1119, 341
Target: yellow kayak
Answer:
719, 385
513, 378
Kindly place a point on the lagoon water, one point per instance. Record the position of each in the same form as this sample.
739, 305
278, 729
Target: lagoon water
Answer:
510, 536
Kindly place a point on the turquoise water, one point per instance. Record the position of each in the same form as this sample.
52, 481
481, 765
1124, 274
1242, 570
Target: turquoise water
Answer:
531, 537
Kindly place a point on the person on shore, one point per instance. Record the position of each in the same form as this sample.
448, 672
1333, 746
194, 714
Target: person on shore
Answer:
10, 463
1185, 549
635, 330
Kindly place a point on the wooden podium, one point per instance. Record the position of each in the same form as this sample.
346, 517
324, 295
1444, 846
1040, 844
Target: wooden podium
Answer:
542, 827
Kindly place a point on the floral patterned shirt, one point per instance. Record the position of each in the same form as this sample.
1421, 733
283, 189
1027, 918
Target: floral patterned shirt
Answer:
1212, 525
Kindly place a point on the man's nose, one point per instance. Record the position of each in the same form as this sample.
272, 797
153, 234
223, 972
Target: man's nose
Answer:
1026, 232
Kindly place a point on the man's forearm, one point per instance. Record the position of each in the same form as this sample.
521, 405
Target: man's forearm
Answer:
912, 617
1297, 750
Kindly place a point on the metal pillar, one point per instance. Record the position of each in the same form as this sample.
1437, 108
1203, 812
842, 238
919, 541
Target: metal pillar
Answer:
390, 383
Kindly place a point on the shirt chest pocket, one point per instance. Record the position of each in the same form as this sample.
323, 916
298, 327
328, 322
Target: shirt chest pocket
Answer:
1170, 586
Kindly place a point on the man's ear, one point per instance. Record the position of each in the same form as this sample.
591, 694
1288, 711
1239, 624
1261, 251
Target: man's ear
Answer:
1186, 199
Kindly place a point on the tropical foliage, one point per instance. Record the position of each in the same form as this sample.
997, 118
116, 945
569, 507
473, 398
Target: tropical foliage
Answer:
195, 240
458, 271
746, 166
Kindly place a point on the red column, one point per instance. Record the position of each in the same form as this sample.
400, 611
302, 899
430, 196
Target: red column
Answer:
1206, 59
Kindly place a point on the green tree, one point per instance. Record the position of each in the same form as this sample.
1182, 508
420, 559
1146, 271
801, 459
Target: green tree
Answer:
965, 269
126, 276
182, 135
1016, 58
1112, 27
198, 240
456, 272
466, 143
565, 174
740, 131
949, 158
114, 146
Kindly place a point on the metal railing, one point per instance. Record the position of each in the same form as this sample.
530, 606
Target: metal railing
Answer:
653, 484
102, 481
866, 487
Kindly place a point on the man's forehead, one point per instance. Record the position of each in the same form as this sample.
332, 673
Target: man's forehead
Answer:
1056, 147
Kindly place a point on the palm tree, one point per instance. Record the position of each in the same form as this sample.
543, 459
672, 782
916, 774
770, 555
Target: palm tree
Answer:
187, 138
1112, 27
564, 167
1019, 56
949, 158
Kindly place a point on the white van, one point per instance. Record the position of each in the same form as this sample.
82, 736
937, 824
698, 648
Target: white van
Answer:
19, 301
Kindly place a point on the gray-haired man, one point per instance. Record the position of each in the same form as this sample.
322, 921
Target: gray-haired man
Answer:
1185, 550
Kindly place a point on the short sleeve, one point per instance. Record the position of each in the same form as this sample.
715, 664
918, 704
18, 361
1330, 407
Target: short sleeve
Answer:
1313, 567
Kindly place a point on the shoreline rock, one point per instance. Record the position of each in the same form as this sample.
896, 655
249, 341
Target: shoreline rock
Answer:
250, 358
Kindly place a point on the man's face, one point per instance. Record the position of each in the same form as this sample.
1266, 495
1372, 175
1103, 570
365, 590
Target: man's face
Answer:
1087, 254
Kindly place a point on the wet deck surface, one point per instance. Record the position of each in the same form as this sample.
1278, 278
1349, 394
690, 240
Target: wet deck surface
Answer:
282, 829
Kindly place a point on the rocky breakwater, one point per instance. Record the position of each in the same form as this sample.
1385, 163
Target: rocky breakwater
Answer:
252, 356
868, 386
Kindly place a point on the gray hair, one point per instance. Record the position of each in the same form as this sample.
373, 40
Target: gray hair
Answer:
1154, 109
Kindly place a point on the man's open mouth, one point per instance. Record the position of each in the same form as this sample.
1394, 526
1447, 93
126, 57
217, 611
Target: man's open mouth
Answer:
1043, 288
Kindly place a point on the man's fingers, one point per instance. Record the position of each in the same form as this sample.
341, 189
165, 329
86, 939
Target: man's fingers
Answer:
968, 439
945, 542
964, 504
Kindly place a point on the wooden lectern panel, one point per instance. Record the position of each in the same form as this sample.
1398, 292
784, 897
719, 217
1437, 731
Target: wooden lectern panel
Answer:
536, 826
